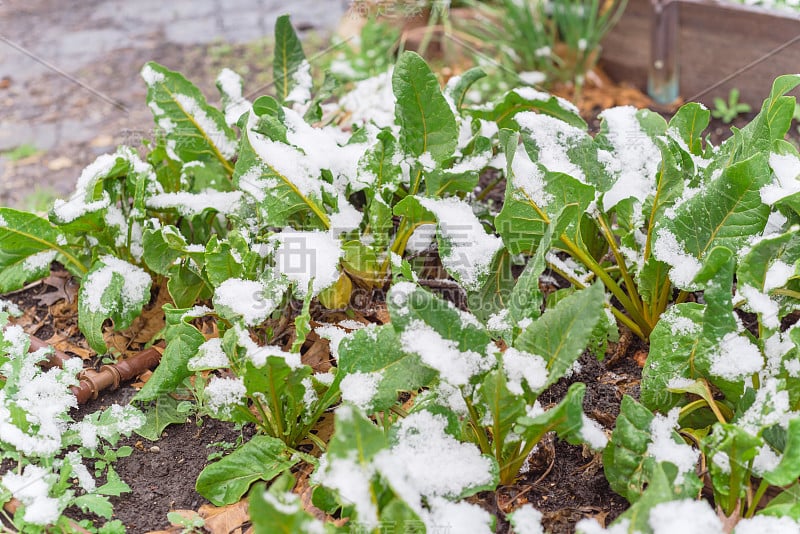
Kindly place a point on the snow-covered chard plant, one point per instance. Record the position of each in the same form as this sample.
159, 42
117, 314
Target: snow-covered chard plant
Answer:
720, 401
651, 200
470, 423
488, 393
53, 461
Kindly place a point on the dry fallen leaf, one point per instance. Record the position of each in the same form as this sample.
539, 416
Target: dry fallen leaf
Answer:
66, 289
225, 519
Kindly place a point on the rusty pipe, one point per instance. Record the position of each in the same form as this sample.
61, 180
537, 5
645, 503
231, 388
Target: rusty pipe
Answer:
110, 376
92, 382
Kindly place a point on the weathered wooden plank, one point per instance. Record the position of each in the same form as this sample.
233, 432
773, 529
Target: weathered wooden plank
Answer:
716, 40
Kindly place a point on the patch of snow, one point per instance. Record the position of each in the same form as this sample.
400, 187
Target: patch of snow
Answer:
636, 157
685, 267
230, 84
248, 298
360, 388
443, 355
592, 433
224, 394
786, 170
554, 138
209, 356
685, 516
189, 204
135, 288
472, 249
663, 448
736, 358
32, 488
303, 256
527, 520
522, 366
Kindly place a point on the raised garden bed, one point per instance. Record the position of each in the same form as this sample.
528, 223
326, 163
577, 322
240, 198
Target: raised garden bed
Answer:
715, 40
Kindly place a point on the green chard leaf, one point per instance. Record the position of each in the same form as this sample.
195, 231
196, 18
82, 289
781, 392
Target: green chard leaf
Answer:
290, 68
281, 511
561, 334
376, 369
194, 130
183, 340
642, 447
727, 211
427, 124
261, 458
28, 244
528, 99
112, 289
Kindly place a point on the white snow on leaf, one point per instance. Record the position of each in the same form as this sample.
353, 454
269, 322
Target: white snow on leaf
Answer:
529, 93
361, 388
765, 524
352, 481
527, 520
636, 157
765, 461
554, 138
135, 289
441, 354
77, 205
736, 357
426, 462
699, 161
250, 299
591, 526
32, 488
472, 249
685, 516
569, 267
336, 334
778, 275
462, 517
236, 105
761, 304
786, 171
771, 407
212, 130
81, 201
421, 239
310, 150
151, 76
258, 354
209, 356
529, 179
189, 204
79, 470
519, 365
685, 267
371, 100
10, 307
303, 256
40, 260
592, 433
223, 394
663, 448
682, 326
302, 81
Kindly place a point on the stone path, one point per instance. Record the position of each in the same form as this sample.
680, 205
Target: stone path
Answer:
99, 47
